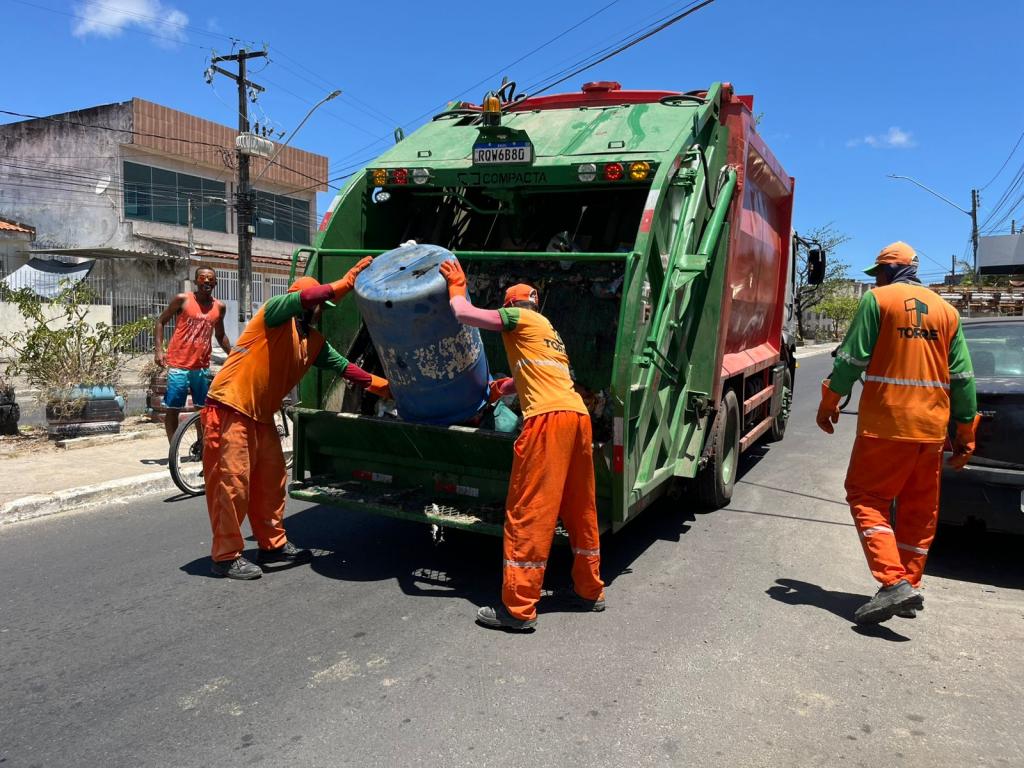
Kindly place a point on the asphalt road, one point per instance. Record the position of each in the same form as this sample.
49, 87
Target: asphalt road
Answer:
727, 642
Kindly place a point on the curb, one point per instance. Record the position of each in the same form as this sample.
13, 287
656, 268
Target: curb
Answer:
77, 499
74, 443
813, 351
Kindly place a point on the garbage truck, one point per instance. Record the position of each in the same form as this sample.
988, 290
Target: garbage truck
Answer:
656, 226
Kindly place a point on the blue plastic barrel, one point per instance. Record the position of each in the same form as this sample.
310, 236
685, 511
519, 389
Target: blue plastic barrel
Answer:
436, 366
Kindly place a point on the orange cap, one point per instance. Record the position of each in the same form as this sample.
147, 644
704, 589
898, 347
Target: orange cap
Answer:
304, 282
898, 253
520, 292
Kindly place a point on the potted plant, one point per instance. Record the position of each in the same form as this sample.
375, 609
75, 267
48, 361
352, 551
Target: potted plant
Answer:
9, 410
74, 364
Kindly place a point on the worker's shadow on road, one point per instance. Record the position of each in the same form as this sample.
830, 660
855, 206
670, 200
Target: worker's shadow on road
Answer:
842, 604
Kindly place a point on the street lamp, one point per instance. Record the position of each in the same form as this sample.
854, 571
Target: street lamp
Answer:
314, 108
973, 213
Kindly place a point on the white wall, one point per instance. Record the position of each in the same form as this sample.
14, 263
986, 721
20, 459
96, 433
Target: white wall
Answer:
11, 320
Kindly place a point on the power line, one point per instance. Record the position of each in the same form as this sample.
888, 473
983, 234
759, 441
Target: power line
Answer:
691, 9
1005, 162
503, 69
583, 65
151, 135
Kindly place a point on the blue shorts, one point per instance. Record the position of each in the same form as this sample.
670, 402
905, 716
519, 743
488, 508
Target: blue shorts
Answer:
181, 380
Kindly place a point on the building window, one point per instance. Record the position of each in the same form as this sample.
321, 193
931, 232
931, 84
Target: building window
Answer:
154, 194
227, 287
278, 284
282, 218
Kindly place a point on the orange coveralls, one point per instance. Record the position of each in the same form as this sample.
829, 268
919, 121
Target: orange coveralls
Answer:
552, 471
242, 459
905, 340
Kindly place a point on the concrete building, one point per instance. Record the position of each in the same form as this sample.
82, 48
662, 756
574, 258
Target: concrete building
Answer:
15, 241
120, 183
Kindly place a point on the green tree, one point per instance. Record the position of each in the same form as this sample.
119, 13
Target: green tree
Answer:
60, 349
808, 296
840, 311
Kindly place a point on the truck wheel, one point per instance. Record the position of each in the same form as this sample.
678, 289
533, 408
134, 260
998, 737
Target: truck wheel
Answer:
716, 480
778, 430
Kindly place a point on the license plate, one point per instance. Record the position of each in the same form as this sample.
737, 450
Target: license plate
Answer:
503, 154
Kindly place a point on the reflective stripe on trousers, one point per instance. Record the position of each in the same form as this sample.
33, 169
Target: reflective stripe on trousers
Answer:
525, 564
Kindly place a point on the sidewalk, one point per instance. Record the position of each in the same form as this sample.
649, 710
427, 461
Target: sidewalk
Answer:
810, 350
39, 478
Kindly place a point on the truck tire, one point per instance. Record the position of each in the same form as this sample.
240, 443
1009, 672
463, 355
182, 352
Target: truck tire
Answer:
716, 480
778, 429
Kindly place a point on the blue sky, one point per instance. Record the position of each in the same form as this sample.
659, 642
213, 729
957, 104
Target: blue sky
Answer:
850, 91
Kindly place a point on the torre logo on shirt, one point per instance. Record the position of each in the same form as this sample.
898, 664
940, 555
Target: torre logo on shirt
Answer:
917, 309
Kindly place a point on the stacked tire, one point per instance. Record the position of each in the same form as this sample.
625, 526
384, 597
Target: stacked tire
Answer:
85, 411
155, 398
10, 412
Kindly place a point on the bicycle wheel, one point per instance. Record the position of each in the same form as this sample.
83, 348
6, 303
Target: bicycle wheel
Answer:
185, 458
283, 423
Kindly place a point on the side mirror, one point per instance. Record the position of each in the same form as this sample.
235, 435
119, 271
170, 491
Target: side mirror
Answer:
815, 266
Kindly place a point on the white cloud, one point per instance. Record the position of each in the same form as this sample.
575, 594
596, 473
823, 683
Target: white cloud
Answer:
894, 138
109, 18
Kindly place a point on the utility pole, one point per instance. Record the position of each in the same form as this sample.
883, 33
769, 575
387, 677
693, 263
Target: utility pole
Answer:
243, 195
952, 269
975, 198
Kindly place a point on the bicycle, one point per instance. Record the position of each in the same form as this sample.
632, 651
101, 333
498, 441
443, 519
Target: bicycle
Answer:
185, 456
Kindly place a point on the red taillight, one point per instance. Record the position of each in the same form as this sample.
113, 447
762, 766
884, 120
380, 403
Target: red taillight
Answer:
373, 477
618, 460
613, 172
400, 176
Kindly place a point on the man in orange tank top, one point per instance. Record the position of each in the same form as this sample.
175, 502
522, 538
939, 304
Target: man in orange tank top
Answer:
187, 359
553, 467
907, 343
242, 460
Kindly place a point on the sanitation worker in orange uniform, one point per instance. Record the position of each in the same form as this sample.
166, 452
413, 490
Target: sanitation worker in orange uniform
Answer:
908, 344
242, 458
553, 469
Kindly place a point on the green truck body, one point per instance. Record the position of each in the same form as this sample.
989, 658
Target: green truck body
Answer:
656, 226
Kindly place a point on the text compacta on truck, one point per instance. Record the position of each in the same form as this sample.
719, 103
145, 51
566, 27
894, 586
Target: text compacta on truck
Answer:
656, 226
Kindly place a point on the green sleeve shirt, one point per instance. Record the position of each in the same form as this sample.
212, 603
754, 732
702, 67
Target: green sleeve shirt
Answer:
330, 359
279, 309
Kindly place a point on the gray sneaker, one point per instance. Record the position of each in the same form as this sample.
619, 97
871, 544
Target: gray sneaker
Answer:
889, 601
239, 568
911, 613
500, 618
571, 600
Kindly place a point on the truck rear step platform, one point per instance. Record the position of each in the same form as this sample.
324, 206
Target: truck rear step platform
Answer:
403, 503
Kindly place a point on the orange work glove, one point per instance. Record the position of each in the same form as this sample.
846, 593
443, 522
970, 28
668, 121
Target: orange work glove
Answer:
456, 278
828, 409
963, 444
348, 282
494, 389
380, 387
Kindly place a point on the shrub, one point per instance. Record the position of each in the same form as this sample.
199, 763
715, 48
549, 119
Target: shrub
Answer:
60, 349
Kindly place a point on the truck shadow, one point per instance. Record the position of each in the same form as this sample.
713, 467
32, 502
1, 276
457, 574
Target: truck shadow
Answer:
353, 546
966, 553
